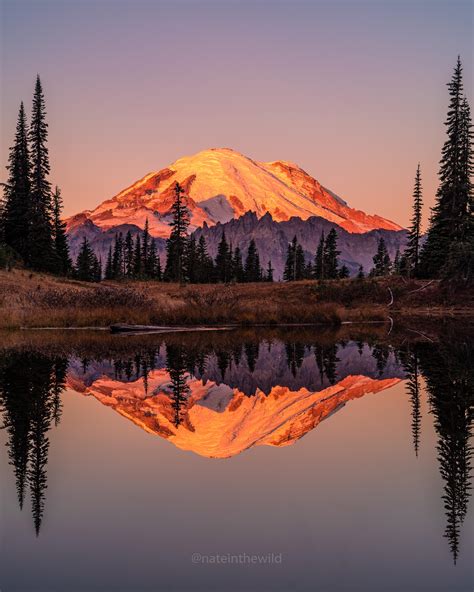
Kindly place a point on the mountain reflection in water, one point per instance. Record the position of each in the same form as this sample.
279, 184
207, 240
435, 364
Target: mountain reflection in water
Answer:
218, 396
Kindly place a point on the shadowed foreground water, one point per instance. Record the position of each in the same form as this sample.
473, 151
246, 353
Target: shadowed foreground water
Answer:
289, 460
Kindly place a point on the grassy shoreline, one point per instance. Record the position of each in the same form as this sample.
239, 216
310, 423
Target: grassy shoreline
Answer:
38, 300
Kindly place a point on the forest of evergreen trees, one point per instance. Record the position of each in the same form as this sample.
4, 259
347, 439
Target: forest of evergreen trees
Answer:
33, 234
31, 229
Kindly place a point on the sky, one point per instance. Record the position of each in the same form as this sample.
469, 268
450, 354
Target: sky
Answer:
353, 92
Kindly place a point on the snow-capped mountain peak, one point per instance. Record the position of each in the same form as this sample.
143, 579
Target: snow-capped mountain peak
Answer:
222, 184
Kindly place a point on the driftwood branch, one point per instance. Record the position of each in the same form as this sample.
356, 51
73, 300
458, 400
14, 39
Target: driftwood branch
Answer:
422, 287
391, 297
391, 325
422, 334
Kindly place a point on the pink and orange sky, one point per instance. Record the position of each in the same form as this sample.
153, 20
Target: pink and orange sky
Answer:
354, 92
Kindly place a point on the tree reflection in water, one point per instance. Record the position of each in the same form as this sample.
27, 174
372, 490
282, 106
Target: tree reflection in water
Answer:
31, 384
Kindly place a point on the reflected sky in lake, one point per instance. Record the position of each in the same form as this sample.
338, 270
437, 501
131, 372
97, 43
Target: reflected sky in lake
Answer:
346, 458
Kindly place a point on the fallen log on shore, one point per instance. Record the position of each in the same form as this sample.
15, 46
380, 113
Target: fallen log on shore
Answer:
124, 328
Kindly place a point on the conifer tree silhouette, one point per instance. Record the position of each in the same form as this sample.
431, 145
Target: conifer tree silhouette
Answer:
450, 385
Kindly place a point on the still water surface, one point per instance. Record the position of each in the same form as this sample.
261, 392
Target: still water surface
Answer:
289, 460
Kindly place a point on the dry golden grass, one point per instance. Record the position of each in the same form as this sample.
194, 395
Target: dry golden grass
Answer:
38, 300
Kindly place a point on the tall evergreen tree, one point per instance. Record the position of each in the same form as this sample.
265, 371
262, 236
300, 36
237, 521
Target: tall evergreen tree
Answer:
382, 263
118, 261
153, 268
330, 256
223, 263
176, 244
87, 265
30, 386
128, 255
412, 252
289, 272
459, 263
158, 269
64, 264
326, 360
449, 380
450, 233
397, 263
252, 264
146, 247
238, 266
269, 272
319, 272
41, 243
176, 364
343, 272
192, 266
300, 263
137, 257
205, 265
295, 265
15, 222
109, 273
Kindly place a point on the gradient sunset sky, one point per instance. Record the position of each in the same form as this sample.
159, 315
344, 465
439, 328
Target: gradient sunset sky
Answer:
353, 92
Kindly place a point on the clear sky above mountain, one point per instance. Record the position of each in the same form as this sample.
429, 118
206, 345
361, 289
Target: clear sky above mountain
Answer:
354, 92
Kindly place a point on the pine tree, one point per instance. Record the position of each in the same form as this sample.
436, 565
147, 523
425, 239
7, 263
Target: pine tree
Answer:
451, 228
319, 272
290, 273
87, 265
96, 269
238, 266
145, 247
382, 263
176, 365
223, 263
137, 258
176, 244
308, 270
118, 262
192, 266
205, 265
344, 272
300, 263
158, 271
459, 264
397, 263
269, 273
128, 255
151, 270
360, 273
412, 251
64, 264
109, 274
330, 256
41, 244
252, 264
15, 227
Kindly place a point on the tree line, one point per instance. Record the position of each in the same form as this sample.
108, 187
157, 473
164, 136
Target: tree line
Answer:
445, 252
31, 229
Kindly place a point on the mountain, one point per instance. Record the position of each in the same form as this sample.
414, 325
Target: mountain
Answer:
223, 184
219, 421
272, 240
269, 401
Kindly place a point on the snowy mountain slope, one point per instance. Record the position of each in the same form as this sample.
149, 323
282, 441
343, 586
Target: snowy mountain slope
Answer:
219, 421
228, 411
223, 184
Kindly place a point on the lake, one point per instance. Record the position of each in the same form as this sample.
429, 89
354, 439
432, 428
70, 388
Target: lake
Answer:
287, 459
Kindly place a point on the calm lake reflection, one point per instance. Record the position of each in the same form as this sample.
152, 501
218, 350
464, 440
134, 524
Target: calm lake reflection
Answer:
236, 460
